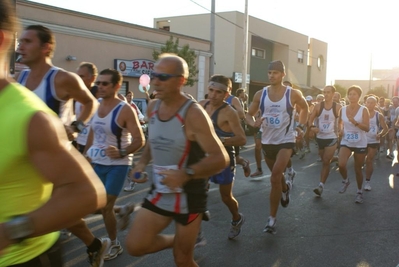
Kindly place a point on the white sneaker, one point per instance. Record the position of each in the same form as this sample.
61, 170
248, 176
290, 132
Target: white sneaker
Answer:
114, 251
130, 187
367, 186
291, 176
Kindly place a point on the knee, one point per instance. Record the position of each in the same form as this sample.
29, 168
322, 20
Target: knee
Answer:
135, 249
183, 258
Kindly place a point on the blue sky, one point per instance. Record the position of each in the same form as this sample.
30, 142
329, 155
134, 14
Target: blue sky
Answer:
354, 30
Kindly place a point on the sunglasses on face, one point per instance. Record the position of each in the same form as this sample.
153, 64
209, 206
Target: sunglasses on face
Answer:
98, 83
164, 76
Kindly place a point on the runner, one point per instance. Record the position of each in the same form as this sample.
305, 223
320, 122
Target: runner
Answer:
325, 115
114, 136
227, 126
185, 151
276, 103
374, 135
354, 122
40, 172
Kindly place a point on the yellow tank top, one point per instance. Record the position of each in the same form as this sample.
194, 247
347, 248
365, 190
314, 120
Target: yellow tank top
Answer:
22, 188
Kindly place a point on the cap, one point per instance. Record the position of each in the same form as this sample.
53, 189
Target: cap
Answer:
309, 98
277, 65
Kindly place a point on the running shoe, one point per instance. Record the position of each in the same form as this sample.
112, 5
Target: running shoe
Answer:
65, 233
344, 187
96, 258
114, 251
318, 190
319, 159
367, 186
130, 187
307, 150
201, 241
359, 198
235, 229
291, 176
124, 216
246, 168
390, 156
271, 229
285, 197
257, 173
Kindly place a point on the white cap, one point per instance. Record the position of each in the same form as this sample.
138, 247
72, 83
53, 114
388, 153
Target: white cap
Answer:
309, 98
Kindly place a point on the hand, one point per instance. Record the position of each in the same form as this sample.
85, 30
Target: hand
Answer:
258, 122
299, 132
316, 130
70, 133
113, 152
88, 158
138, 168
174, 179
377, 137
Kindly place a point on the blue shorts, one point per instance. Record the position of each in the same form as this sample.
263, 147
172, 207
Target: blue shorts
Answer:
224, 177
112, 176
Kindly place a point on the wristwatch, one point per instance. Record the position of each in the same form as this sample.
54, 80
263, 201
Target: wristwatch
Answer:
190, 172
78, 126
19, 228
301, 126
122, 152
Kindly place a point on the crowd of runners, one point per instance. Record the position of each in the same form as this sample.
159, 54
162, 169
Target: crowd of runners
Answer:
51, 187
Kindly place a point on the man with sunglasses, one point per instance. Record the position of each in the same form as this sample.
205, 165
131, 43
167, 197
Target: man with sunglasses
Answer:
115, 133
228, 128
56, 87
185, 151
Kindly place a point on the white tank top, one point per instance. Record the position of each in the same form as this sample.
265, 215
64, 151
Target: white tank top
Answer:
326, 123
46, 92
107, 132
278, 119
374, 128
353, 136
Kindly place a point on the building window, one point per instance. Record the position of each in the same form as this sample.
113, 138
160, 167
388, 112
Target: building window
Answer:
259, 53
320, 62
301, 55
124, 88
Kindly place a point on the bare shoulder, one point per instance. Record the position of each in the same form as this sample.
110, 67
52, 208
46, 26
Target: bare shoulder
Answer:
203, 102
64, 76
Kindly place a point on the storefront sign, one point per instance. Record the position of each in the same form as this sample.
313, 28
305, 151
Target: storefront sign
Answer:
134, 67
237, 77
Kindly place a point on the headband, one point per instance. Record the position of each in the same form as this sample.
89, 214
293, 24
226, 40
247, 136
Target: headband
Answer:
217, 85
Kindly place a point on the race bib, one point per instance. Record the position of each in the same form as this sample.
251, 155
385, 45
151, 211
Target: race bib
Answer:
157, 179
96, 154
325, 127
272, 120
373, 130
352, 136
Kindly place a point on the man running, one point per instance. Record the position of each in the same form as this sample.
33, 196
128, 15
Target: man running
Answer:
326, 113
110, 147
227, 126
276, 103
185, 151
43, 180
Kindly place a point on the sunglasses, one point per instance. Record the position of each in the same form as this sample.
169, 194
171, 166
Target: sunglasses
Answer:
98, 83
164, 76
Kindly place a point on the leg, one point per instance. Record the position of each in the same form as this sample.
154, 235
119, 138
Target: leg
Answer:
229, 200
369, 162
144, 238
109, 217
258, 156
344, 154
81, 231
359, 161
327, 155
184, 241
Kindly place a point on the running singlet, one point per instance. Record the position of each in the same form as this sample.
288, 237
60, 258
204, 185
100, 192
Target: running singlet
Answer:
374, 129
353, 136
326, 122
22, 188
278, 119
46, 92
171, 150
107, 132
220, 133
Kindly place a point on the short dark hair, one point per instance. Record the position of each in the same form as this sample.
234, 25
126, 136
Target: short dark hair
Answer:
240, 91
287, 83
355, 88
8, 19
333, 89
45, 36
90, 67
116, 76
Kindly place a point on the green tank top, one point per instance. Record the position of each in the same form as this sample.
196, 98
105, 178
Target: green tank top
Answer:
22, 188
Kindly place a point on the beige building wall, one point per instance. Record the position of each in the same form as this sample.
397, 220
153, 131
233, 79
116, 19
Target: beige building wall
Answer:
318, 62
229, 42
101, 41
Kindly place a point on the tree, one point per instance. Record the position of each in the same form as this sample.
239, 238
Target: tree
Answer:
340, 89
379, 91
172, 46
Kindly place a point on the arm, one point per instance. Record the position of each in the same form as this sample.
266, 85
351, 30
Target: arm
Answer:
253, 109
237, 105
384, 126
364, 125
74, 181
75, 89
299, 100
239, 138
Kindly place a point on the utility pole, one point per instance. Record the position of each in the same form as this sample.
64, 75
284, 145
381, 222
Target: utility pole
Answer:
212, 59
245, 48
371, 70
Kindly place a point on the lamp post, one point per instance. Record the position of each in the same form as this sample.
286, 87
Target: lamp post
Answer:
245, 48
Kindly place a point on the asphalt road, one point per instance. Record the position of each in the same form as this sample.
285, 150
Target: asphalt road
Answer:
329, 231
